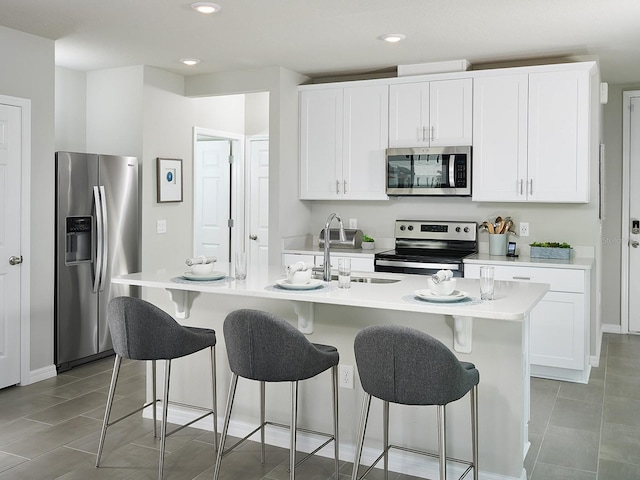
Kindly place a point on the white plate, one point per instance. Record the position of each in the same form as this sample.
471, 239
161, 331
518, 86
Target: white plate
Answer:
209, 276
313, 283
427, 294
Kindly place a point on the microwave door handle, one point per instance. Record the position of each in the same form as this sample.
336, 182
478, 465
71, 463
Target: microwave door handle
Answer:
452, 170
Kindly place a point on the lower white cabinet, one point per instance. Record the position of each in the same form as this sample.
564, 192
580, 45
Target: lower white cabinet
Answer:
560, 327
359, 263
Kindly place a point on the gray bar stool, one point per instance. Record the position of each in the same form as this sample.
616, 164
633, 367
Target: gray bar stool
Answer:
141, 331
405, 366
266, 348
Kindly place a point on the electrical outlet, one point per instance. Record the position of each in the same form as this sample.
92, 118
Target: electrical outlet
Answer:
524, 229
345, 374
161, 226
353, 223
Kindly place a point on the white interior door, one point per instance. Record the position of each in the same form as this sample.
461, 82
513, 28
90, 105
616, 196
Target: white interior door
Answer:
212, 174
634, 215
10, 226
259, 203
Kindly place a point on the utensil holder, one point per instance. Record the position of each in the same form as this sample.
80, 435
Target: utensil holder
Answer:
497, 244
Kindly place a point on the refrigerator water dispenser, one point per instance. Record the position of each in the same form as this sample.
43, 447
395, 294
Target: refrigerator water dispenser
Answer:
78, 240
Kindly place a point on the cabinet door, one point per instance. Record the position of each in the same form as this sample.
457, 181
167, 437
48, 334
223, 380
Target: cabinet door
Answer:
450, 107
500, 138
366, 116
291, 258
558, 331
559, 136
409, 115
321, 130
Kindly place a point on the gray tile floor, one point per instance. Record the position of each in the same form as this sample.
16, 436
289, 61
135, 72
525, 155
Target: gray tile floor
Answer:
49, 430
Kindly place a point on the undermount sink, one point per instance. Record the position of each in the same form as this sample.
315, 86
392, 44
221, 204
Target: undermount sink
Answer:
366, 279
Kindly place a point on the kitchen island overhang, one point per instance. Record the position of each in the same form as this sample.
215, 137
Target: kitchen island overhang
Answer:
500, 350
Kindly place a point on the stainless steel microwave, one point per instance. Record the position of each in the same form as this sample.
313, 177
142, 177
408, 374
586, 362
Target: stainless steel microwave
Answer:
429, 171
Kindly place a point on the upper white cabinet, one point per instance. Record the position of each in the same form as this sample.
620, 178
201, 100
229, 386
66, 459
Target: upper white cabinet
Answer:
343, 137
531, 136
436, 113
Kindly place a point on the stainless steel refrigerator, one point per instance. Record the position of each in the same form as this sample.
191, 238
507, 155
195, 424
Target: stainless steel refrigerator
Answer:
97, 236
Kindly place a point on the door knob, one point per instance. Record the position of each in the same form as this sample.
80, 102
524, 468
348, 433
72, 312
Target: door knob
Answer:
15, 260
634, 244
253, 236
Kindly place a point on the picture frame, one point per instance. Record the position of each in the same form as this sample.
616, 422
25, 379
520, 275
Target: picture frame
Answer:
169, 180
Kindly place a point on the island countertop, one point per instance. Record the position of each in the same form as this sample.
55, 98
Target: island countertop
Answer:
513, 300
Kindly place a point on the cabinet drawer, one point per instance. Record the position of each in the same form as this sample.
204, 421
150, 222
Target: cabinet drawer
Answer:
559, 280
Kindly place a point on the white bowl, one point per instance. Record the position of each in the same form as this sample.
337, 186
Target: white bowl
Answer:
443, 288
202, 268
300, 277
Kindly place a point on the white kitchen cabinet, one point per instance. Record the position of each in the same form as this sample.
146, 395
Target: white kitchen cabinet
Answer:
359, 263
343, 137
436, 113
559, 324
531, 136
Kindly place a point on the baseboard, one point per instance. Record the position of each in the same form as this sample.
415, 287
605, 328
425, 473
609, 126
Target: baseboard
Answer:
41, 374
611, 328
399, 461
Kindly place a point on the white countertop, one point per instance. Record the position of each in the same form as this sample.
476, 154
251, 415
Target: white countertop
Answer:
579, 263
514, 300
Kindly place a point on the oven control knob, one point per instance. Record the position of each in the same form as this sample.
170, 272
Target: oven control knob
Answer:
458, 229
466, 229
402, 227
410, 227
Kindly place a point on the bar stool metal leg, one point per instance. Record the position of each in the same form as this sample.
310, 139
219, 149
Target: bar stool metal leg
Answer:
262, 421
107, 413
214, 392
336, 442
225, 427
442, 441
474, 430
165, 409
154, 397
385, 437
293, 430
362, 428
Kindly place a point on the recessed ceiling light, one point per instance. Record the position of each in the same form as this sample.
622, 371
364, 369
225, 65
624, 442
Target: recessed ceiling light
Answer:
190, 61
392, 37
206, 7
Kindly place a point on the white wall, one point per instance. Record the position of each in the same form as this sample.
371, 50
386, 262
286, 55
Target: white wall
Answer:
71, 110
28, 72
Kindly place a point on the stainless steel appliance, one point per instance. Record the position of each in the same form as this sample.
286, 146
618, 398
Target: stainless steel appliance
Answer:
353, 238
429, 171
424, 247
97, 236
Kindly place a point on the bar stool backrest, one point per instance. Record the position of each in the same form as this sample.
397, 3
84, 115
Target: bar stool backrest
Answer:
141, 331
406, 366
262, 346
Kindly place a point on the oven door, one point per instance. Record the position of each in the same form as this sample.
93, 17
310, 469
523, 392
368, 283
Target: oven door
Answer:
416, 268
429, 171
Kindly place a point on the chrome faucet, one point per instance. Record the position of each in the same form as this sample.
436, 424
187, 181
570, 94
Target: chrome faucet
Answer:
326, 273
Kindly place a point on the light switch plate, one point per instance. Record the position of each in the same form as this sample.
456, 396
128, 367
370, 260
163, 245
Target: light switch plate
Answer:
161, 226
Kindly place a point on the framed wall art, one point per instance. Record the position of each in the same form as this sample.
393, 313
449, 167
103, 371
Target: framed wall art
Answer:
169, 180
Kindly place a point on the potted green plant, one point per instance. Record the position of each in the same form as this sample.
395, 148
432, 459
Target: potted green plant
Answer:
368, 243
555, 250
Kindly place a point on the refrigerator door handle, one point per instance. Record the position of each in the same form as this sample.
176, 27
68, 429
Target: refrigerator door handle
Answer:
105, 238
100, 237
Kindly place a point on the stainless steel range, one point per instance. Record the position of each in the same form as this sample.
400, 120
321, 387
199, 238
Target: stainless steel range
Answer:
424, 247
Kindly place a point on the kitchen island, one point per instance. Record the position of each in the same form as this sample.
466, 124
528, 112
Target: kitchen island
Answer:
493, 335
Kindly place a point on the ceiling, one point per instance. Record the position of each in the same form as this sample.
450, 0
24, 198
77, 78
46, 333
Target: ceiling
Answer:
323, 38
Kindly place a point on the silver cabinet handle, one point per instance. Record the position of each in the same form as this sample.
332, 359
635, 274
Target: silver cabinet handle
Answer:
15, 260
521, 183
344, 186
424, 134
521, 278
253, 236
531, 186
432, 133
337, 186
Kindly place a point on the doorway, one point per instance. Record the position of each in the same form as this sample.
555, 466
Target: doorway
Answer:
217, 192
15, 162
630, 264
